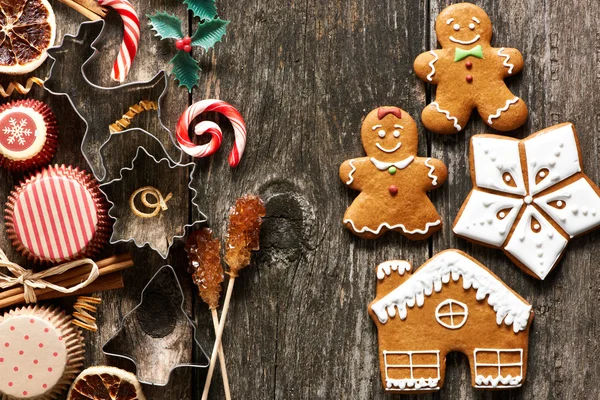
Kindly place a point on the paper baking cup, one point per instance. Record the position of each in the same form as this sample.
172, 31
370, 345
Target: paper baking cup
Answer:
58, 215
41, 353
28, 135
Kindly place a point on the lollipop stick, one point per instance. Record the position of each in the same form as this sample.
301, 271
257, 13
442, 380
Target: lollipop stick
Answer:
215, 318
213, 358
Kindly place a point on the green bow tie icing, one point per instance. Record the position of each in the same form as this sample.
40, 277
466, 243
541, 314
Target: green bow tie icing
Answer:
461, 54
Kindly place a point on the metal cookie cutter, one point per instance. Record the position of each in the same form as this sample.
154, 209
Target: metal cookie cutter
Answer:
150, 203
131, 343
96, 105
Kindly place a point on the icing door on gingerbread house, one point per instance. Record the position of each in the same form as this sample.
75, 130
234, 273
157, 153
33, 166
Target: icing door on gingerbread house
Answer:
451, 303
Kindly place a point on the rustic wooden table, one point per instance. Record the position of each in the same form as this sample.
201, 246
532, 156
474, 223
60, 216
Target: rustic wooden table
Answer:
303, 74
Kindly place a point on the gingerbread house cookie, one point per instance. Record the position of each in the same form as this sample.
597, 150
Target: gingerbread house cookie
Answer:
392, 179
469, 73
529, 197
451, 303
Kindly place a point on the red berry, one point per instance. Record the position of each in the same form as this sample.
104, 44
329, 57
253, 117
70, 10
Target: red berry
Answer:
179, 44
187, 48
187, 40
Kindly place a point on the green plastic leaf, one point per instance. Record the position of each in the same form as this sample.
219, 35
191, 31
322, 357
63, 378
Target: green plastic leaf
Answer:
167, 26
209, 33
204, 9
185, 69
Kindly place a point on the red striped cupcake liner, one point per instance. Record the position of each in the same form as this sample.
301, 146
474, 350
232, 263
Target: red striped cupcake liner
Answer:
41, 353
28, 135
58, 215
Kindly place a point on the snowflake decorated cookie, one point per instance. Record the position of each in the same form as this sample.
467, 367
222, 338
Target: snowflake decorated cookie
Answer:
392, 179
28, 135
450, 303
529, 197
469, 73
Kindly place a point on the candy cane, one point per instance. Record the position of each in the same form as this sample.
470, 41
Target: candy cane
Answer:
239, 128
131, 37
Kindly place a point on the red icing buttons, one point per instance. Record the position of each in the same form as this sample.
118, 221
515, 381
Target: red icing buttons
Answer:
393, 190
469, 78
28, 135
58, 215
469, 64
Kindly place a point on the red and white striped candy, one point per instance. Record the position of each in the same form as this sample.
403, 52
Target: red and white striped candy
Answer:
131, 37
239, 129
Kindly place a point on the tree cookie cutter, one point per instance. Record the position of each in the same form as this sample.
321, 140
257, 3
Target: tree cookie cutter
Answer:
168, 341
147, 200
96, 106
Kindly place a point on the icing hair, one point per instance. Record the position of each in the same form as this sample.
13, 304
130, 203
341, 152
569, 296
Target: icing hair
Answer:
383, 111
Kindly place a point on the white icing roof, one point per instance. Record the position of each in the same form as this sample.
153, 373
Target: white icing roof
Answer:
452, 264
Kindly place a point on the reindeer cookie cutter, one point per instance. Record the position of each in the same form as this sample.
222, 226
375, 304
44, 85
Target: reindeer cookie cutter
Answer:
132, 207
82, 51
109, 347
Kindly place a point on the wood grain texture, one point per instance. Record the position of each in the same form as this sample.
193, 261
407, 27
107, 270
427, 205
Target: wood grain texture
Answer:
304, 74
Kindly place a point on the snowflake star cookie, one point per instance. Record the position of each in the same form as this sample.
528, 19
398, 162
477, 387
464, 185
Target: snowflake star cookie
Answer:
530, 197
451, 303
469, 73
392, 179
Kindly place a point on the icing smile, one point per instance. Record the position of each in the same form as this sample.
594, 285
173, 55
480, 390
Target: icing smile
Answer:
380, 147
476, 38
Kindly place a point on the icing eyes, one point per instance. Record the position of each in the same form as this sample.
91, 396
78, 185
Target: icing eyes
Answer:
503, 213
535, 225
471, 26
541, 175
508, 179
381, 133
560, 204
396, 134
456, 27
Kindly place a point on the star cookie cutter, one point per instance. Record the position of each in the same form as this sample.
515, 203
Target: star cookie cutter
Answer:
147, 205
72, 58
133, 341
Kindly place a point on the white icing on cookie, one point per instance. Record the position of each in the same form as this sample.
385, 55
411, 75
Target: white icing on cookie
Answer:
384, 166
448, 116
506, 59
537, 250
481, 220
432, 73
439, 270
392, 227
501, 110
579, 207
453, 39
431, 174
555, 151
350, 177
385, 269
495, 160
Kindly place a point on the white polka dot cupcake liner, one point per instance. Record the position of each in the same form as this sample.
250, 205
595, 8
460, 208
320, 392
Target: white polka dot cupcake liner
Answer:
41, 353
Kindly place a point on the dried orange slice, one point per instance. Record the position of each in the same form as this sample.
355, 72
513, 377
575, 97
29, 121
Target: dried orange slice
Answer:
27, 30
105, 383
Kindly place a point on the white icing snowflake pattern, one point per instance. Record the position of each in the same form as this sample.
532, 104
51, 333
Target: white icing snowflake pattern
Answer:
17, 131
530, 215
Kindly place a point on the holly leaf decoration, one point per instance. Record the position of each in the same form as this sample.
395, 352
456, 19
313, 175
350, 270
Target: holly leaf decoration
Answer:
209, 33
185, 69
167, 26
203, 9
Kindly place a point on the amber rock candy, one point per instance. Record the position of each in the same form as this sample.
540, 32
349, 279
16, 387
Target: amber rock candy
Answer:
243, 236
205, 265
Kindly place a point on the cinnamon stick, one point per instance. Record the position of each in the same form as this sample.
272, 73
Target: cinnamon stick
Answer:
107, 282
82, 10
93, 6
105, 266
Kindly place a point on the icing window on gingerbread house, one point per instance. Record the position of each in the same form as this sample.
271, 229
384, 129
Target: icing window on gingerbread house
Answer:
498, 367
411, 370
451, 314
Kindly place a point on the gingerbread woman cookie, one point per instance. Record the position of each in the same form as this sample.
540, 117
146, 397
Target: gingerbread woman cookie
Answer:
470, 74
392, 180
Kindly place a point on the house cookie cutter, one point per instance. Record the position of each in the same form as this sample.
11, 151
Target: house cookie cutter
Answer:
133, 342
145, 205
99, 114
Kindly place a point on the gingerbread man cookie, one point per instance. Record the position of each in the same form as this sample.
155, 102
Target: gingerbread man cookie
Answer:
470, 74
392, 180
